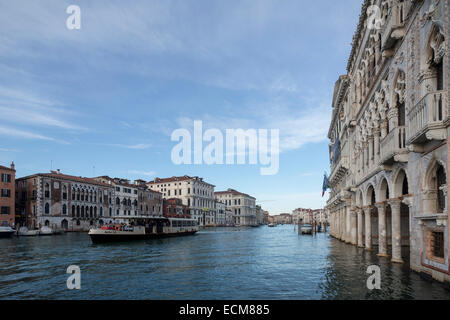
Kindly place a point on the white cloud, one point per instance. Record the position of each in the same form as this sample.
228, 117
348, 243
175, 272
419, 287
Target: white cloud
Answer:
140, 146
34, 116
8, 150
297, 125
16, 133
308, 174
23, 107
142, 173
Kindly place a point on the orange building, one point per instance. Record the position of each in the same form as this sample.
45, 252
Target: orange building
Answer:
7, 195
174, 208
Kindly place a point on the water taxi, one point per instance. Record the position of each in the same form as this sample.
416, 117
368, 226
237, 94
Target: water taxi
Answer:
306, 228
45, 231
25, 232
6, 232
144, 228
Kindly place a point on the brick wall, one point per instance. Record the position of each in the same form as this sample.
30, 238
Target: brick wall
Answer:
8, 202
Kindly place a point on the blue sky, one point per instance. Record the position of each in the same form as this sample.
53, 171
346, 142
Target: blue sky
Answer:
109, 95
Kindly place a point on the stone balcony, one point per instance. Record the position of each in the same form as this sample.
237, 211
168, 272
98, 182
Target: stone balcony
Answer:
393, 147
339, 169
426, 118
392, 31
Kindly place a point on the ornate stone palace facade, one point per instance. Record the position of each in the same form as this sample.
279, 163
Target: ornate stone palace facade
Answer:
390, 135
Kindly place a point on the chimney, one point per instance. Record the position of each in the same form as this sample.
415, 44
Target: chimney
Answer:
13, 167
58, 171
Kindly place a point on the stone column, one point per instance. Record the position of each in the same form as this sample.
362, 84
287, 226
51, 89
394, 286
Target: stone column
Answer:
377, 144
347, 224
444, 191
393, 118
396, 231
331, 215
338, 223
353, 228
335, 232
427, 80
360, 228
366, 155
371, 150
343, 222
384, 125
367, 212
382, 239
336, 226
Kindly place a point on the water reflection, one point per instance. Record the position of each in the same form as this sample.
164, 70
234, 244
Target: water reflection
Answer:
247, 263
345, 277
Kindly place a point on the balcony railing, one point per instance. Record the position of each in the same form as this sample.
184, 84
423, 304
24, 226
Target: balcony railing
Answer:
392, 145
427, 117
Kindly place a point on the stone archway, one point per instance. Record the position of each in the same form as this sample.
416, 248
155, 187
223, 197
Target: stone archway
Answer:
371, 218
64, 224
400, 217
432, 64
435, 192
384, 218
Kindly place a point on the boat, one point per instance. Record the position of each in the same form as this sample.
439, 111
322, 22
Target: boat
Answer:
271, 225
306, 228
24, 231
45, 231
144, 228
6, 232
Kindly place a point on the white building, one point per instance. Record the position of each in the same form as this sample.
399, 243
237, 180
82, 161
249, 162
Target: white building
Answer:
259, 215
63, 202
309, 216
389, 133
220, 210
125, 197
241, 204
229, 217
195, 193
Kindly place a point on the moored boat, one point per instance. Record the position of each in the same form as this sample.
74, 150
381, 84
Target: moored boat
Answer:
271, 225
144, 228
45, 231
24, 231
306, 228
6, 232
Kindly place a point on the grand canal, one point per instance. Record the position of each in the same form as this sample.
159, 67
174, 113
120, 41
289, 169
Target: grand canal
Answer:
225, 263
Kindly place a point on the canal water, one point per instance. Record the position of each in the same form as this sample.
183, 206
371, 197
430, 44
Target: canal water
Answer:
222, 263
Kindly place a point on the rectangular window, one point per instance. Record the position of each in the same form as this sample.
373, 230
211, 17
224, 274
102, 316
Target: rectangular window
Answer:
6, 177
6, 193
5, 210
437, 244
